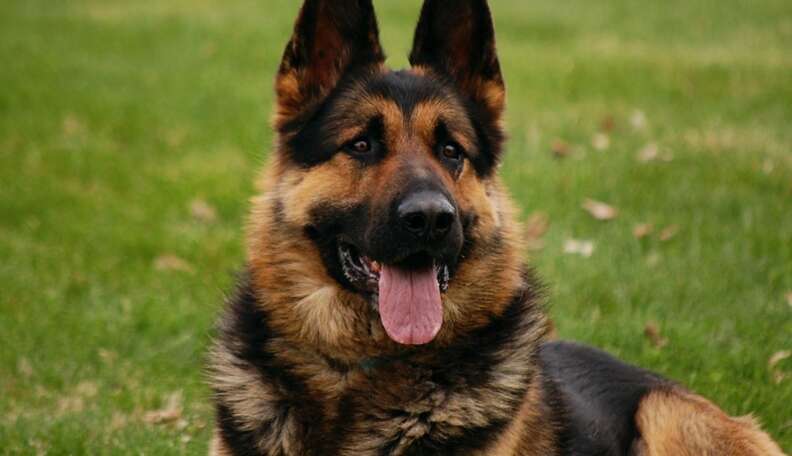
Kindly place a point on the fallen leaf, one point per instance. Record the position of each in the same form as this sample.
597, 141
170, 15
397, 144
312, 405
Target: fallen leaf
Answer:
579, 247
650, 152
608, 124
772, 364
652, 332
669, 233
600, 210
643, 230
638, 120
170, 413
561, 149
172, 263
789, 298
778, 357
601, 141
203, 211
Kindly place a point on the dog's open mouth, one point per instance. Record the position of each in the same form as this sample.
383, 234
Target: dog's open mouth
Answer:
410, 304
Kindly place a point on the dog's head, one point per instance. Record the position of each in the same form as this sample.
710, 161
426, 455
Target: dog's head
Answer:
387, 178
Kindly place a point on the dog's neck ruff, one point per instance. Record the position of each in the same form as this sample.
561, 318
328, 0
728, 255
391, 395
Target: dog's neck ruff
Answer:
273, 398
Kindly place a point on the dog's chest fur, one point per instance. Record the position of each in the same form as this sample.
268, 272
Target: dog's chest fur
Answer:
275, 400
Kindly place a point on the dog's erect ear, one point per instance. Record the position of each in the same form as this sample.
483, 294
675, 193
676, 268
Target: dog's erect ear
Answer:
330, 38
457, 39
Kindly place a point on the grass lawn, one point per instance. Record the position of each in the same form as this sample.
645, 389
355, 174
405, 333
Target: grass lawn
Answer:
131, 132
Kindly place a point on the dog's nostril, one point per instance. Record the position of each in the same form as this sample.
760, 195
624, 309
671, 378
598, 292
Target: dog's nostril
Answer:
416, 222
443, 222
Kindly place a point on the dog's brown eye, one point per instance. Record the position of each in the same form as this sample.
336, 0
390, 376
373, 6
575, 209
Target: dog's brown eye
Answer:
451, 151
361, 146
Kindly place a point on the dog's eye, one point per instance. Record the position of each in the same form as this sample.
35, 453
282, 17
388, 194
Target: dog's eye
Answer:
359, 146
451, 151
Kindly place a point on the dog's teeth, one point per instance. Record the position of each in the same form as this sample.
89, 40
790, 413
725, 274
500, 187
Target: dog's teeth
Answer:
443, 277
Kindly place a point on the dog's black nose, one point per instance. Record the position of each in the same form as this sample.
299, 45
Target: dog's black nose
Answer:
427, 214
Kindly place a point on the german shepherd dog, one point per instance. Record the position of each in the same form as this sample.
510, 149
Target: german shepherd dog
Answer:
385, 307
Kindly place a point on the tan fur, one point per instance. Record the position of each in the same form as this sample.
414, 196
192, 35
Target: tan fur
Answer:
217, 446
426, 115
679, 423
491, 93
529, 433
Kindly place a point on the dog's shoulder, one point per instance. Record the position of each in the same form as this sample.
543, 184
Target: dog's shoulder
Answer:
610, 408
598, 396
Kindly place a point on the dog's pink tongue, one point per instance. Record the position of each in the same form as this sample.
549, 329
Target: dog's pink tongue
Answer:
410, 305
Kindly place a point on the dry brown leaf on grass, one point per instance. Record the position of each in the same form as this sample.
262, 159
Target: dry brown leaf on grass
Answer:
535, 228
778, 357
789, 298
579, 247
172, 263
669, 233
643, 230
170, 413
652, 333
561, 149
600, 210
772, 364
638, 120
650, 152
203, 211
608, 124
601, 142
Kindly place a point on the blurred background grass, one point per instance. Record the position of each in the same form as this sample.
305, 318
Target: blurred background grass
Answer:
131, 133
